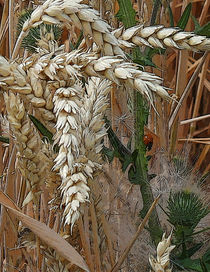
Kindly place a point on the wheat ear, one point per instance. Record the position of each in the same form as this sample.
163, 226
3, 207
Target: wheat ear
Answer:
69, 67
28, 144
159, 36
162, 262
87, 19
80, 128
24, 79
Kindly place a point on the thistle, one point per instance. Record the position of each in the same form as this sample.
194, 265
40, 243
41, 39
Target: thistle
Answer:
36, 39
185, 210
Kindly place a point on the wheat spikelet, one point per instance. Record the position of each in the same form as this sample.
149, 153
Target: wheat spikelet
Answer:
64, 69
162, 262
159, 36
28, 79
78, 64
52, 179
28, 145
117, 70
80, 128
13, 76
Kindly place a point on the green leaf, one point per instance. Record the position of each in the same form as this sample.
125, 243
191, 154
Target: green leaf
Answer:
206, 256
4, 139
109, 153
171, 17
191, 264
185, 17
201, 30
204, 30
196, 23
133, 176
150, 52
126, 13
144, 61
115, 142
41, 128
126, 163
203, 266
146, 58
129, 160
193, 249
200, 265
156, 6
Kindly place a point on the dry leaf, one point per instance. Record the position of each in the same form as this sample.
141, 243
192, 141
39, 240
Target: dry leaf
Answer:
49, 236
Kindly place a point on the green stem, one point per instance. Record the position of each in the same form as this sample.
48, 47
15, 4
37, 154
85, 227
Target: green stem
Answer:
126, 15
142, 168
156, 6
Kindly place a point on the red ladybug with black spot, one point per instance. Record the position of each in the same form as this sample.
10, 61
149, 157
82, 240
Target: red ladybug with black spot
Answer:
148, 141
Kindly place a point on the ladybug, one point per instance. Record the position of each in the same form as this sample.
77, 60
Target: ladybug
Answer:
148, 141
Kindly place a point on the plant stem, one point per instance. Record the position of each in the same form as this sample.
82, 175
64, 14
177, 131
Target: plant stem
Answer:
141, 113
141, 166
